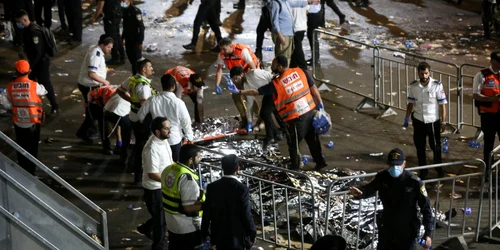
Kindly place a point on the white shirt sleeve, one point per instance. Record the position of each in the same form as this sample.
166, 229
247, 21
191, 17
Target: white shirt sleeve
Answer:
477, 83
40, 89
411, 95
151, 160
185, 120
144, 110
441, 95
219, 60
143, 93
94, 60
189, 190
247, 56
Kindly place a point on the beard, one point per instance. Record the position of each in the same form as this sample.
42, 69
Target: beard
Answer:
164, 137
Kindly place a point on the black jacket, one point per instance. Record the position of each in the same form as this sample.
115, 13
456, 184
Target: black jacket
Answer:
34, 45
227, 212
133, 26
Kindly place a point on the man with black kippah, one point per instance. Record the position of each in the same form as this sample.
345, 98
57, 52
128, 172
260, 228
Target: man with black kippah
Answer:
227, 210
400, 191
486, 94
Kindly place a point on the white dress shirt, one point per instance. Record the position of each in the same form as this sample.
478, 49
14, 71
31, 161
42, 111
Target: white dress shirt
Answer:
143, 92
94, 62
254, 79
299, 18
174, 109
426, 100
156, 156
117, 105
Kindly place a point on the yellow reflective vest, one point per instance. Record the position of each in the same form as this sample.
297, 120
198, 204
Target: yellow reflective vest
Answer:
134, 100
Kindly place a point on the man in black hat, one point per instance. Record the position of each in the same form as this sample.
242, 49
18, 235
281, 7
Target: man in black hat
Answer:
486, 94
227, 210
400, 191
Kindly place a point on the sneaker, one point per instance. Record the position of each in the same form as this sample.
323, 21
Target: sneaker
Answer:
189, 47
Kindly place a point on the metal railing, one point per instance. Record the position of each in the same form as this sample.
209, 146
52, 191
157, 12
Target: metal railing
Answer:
469, 113
492, 187
470, 225
270, 209
35, 198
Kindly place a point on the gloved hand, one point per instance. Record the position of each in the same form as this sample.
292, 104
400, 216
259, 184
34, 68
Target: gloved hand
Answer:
232, 88
218, 90
249, 128
320, 106
405, 124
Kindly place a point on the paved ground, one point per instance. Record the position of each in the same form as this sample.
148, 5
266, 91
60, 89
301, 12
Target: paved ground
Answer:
355, 134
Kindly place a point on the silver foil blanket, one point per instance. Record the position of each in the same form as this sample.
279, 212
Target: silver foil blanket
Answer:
214, 127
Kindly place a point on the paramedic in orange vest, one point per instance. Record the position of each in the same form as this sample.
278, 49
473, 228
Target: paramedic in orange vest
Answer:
295, 97
233, 55
191, 84
97, 100
27, 113
486, 93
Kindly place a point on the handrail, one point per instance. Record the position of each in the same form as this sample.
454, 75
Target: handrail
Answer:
63, 183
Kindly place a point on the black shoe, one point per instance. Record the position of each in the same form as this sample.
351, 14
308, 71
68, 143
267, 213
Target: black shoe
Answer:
278, 136
148, 233
189, 47
341, 19
85, 139
258, 54
107, 152
320, 167
216, 48
55, 112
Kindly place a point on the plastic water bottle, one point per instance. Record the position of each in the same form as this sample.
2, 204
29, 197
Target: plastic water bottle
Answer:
467, 210
474, 144
268, 48
304, 159
445, 145
330, 144
422, 243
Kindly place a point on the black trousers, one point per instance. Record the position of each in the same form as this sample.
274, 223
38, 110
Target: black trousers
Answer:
62, 16
198, 108
262, 27
97, 113
490, 125
40, 73
126, 130
208, 13
298, 59
266, 114
112, 29
184, 241
46, 7
141, 137
334, 7
314, 20
421, 131
154, 203
88, 126
75, 18
298, 129
28, 139
134, 53
386, 241
176, 150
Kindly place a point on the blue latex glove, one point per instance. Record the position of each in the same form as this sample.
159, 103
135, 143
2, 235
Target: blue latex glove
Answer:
218, 90
249, 127
405, 124
320, 106
232, 88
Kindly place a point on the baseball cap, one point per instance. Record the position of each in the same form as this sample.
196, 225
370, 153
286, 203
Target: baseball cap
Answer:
22, 66
396, 157
229, 163
495, 55
196, 80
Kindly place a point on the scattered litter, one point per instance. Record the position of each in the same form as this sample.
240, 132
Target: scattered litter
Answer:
459, 181
359, 74
88, 163
152, 47
470, 166
330, 144
62, 74
467, 210
114, 191
55, 168
69, 61
460, 14
79, 178
130, 206
136, 208
65, 147
399, 54
126, 239
58, 131
62, 157
455, 196
377, 154
469, 228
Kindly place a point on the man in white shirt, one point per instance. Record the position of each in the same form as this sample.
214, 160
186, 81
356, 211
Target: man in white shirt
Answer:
300, 25
93, 75
167, 104
156, 156
255, 79
117, 112
136, 90
426, 103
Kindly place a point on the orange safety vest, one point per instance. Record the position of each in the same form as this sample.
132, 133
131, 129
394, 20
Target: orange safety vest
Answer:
26, 104
491, 87
101, 96
292, 98
236, 59
181, 75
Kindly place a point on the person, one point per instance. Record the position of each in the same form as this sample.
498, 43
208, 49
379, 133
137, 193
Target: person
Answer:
263, 25
209, 11
362, 3
133, 32
233, 55
183, 200
486, 94
227, 216
300, 26
295, 102
337, 11
62, 15
35, 50
27, 113
46, 7
190, 83
400, 192
97, 99
93, 73
117, 112
112, 18
15, 7
136, 90
254, 79
330, 242
166, 104
74, 14
156, 156
426, 103
315, 19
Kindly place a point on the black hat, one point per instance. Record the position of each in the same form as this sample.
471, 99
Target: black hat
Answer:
495, 55
196, 80
396, 157
229, 163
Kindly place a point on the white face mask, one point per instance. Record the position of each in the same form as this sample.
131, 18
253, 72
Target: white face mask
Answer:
124, 4
395, 171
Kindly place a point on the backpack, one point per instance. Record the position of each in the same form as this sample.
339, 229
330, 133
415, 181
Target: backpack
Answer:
49, 39
266, 11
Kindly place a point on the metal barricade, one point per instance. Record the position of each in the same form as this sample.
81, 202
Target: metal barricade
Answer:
469, 113
286, 204
467, 225
492, 188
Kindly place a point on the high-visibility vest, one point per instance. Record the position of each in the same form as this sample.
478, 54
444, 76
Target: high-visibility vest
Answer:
181, 75
236, 59
135, 103
172, 202
292, 98
26, 104
491, 87
100, 96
